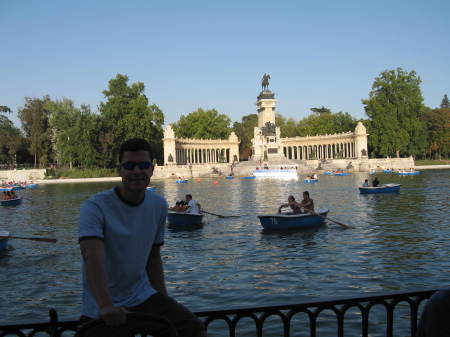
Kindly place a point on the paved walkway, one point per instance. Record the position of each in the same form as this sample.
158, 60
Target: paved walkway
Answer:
432, 167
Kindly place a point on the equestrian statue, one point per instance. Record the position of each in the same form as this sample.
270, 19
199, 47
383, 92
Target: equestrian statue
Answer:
265, 81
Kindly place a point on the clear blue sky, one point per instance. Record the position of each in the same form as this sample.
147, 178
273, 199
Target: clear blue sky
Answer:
212, 54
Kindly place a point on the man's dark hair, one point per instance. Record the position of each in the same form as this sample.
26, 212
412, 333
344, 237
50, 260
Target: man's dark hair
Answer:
189, 196
291, 196
307, 193
133, 145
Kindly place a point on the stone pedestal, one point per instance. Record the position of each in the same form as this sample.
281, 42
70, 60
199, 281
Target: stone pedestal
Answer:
266, 140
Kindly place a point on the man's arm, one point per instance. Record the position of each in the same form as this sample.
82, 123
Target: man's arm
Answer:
282, 206
93, 252
155, 270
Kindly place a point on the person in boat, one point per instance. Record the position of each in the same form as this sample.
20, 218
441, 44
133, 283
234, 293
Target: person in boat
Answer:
375, 182
193, 206
179, 206
5, 196
13, 194
121, 231
314, 176
294, 205
366, 183
307, 203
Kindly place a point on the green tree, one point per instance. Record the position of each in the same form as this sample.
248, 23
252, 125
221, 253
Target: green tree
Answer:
244, 130
322, 111
127, 114
203, 124
288, 127
4, 108
438, 125
11, 139
445, 104
34, 118
324, 121
396, 112
74, 133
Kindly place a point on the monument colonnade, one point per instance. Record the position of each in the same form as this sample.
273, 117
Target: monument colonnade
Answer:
191, 151
182, 151
320, 147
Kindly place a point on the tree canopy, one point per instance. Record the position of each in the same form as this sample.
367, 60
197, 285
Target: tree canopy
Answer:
35, 124
203, 124
127, 114
244, 131
396, 112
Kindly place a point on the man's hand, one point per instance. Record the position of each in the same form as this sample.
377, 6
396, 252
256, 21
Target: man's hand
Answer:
113, 315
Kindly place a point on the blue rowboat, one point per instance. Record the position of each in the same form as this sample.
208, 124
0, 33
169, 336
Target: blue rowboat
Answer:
341, 174
249, 177
183, 219
151, 188
229, 177
310, 181
31, 186
291, 221
385, 188
18, 187
5, 189
328, 173
181, 181
405, 173
3, 240
387, 171
11, 202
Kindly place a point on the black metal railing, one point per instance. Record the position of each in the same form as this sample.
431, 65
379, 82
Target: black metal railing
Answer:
260, 315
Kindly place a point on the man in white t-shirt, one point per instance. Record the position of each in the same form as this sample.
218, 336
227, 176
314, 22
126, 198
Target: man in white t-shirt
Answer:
192, 205
121, 232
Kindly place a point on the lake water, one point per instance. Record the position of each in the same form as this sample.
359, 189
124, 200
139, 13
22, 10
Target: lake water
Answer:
399, 243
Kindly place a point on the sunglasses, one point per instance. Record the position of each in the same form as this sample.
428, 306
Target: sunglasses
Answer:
130, 165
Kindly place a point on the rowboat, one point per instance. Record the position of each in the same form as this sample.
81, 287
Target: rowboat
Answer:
183, 219
3, 240
151, 188
229, 177
310, 181
341, 174
181, 181
408, 173
31, 186
388, 171
328, 173
291, 221
385, 188
11, 202
249, 177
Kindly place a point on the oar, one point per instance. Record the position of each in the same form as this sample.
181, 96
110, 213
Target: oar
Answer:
220, 216
29, 238
324, 217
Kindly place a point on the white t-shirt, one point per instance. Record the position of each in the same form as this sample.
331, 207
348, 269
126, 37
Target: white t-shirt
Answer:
193, 207
128, 232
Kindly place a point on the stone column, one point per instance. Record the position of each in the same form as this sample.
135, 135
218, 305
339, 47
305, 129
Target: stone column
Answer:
169, 146
361, 141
